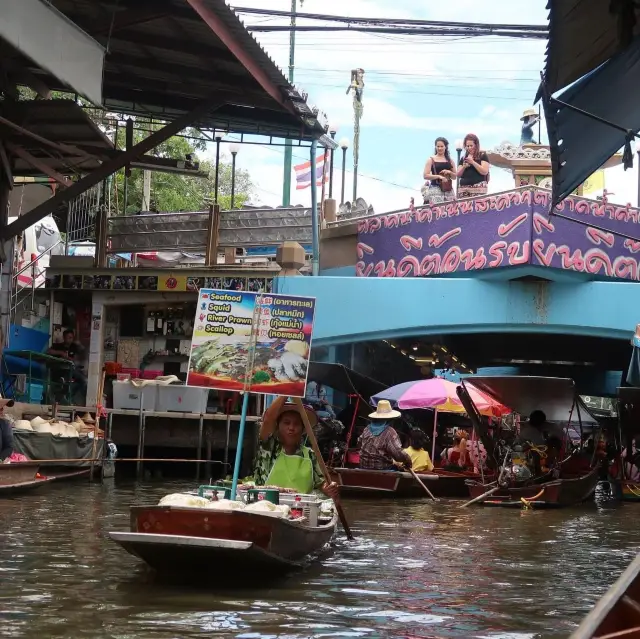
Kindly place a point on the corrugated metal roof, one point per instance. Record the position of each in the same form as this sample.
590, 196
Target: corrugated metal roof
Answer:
582, 35
162, 58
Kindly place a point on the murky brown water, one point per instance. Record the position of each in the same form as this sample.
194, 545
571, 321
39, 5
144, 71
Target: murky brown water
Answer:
416, 570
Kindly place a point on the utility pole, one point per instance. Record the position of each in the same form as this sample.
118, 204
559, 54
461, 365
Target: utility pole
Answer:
146, 190
288, 150
356, 86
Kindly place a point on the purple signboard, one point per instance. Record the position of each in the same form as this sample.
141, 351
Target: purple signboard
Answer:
496, 231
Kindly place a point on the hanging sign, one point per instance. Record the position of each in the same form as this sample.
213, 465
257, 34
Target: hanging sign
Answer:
252, 342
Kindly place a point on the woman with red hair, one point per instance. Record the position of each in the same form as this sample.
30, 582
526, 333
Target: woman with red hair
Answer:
473, 170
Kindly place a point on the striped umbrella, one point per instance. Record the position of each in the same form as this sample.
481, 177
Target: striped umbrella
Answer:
438, 394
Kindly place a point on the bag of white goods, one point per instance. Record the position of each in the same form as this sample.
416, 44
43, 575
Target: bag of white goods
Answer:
183, 500
225, 504
37, 421
44, 427
265, 507
23, 424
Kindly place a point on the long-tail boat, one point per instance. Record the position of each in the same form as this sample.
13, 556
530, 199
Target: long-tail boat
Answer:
573, 482
357, 482
196, 541
20, 477
617, 614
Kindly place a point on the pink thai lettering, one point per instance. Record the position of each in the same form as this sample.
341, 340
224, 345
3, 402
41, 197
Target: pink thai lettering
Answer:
597, 260
408, 266
625, 268
596, 236
385, 269
571, 261
451, 260
437, 241
541, 222
631, 245
509, 227
424, 215
536, 196
544, 257
482, 204
363, 249
408, 242
473, 261
502, 202
496, 251
430, 264
363, 270
512, 252
581, 206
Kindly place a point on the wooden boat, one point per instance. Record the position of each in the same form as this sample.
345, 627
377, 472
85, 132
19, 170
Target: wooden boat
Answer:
197, 541
617, 614
358, 482
19, 477
567, 491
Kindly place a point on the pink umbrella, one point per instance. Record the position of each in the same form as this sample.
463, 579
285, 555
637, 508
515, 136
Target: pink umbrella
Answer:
439, 394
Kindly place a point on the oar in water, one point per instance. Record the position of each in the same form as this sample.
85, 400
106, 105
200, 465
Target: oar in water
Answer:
316, 449
493, 490
426, 490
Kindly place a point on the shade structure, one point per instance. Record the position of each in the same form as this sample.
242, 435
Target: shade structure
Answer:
439, 394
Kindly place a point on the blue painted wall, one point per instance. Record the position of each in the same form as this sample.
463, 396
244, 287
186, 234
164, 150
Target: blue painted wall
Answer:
340, 271
351, 309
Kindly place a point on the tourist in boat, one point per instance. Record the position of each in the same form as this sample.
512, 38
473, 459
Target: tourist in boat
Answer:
282, 459
440, 172
473, 170
6, 432
457, 456
380, 447
420, 460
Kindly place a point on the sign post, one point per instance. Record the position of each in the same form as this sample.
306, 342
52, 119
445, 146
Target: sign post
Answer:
251, 343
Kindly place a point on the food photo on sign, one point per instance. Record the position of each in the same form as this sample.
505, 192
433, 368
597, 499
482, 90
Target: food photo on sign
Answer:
259, 343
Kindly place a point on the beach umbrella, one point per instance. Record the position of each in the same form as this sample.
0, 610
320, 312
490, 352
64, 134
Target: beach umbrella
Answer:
438, 394
633, 374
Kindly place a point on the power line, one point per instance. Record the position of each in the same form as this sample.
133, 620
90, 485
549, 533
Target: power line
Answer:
398, 25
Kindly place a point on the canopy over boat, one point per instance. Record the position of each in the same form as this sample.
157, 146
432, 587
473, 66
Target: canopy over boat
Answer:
524, 394
344, 379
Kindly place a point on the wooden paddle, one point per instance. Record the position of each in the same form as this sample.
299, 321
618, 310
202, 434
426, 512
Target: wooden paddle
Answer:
426, 490
493, 490
316, 449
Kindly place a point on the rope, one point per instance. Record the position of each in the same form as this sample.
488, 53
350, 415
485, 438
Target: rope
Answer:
526, 501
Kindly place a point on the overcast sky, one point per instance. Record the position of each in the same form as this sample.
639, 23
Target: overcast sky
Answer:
416, 89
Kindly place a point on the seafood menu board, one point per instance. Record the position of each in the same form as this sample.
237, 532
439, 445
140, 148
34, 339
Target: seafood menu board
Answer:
258, 342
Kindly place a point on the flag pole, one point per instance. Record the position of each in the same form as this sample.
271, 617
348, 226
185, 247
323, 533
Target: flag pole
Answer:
315, 231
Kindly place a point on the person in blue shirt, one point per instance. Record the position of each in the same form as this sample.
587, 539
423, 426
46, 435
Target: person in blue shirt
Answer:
6, 432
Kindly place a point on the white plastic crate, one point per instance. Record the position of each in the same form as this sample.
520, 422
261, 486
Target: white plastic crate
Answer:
126, 395
182, 399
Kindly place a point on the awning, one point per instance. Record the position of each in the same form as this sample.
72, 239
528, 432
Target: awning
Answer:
344, 380
579, 144
553, 395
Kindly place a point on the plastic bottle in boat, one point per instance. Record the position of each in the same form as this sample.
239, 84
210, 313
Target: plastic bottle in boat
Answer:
297, 511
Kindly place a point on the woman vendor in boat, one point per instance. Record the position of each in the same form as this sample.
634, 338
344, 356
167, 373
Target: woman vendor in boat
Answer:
457, 456
380, 446
282, 459
6, 432
420, 460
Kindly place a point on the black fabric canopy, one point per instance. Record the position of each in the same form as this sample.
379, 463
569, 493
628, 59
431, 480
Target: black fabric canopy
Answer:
344, 379
579, 144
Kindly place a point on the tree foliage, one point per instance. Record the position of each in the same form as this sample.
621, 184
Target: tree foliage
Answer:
174, 192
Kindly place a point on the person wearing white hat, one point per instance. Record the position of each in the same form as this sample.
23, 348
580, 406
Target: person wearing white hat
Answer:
529, 119
379, 443
282, 459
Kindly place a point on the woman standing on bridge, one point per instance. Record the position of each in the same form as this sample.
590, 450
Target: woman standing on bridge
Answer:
473, 170
440, 171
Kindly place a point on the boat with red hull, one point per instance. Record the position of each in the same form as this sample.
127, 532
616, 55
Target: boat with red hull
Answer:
196, 541
557, 493
358, 482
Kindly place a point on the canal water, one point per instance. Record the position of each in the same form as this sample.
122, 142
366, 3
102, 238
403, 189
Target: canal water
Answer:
416, 570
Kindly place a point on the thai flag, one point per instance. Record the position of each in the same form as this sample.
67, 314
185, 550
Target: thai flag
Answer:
303, 173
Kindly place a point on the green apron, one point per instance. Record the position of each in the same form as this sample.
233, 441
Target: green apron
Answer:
292, 471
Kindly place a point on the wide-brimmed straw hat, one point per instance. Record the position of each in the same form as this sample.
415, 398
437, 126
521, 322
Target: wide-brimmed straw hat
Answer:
528, 113
290, 407
384, 411
87, 419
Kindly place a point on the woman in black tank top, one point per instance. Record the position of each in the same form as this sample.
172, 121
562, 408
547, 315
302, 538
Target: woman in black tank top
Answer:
439, 171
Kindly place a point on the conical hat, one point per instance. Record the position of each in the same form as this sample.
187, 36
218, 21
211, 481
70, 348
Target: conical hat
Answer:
87, 419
